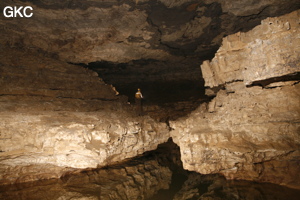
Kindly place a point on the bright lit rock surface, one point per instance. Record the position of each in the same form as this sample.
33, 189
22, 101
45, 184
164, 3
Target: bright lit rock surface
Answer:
53, 124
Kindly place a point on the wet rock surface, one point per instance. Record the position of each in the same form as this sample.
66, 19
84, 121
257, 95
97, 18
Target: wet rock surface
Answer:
211, 187
147, 176
157, 175
137, 179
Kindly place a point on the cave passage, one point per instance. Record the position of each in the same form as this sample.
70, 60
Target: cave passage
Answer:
155, 175
161, 82
58, 118
168, 92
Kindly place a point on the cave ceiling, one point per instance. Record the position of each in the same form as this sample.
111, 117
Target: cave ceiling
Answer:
84, 31
181, 33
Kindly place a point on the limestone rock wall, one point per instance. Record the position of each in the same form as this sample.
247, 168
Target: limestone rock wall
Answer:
269, 50
56, 118
32, 144
27, 74
252, 132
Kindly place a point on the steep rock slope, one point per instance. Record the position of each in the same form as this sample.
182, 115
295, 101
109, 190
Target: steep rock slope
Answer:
250, 130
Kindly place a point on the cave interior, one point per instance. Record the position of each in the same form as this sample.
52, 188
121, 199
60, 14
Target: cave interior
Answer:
89, 56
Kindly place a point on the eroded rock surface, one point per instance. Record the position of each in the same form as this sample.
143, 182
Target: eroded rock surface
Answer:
249, 133
57, 117
87, 31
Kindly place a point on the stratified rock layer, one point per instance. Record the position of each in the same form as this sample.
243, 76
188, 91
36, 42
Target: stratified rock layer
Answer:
34, 75
249, 133
269, 50
57, 118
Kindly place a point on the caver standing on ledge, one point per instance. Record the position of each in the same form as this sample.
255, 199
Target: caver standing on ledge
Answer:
138, 101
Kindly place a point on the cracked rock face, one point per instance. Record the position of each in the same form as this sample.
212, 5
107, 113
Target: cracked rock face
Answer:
249, 133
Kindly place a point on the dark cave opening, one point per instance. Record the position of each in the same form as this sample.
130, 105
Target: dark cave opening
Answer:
170, 90
160, 82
